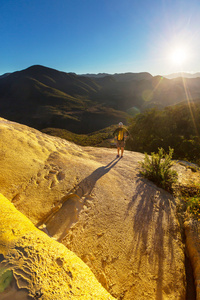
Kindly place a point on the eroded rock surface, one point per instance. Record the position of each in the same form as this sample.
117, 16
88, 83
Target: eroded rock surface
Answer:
41, 267
122, 226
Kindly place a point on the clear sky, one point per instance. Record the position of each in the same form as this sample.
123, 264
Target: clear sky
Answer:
97, 36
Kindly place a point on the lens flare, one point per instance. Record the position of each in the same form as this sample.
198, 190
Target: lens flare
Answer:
188, 98
178, 55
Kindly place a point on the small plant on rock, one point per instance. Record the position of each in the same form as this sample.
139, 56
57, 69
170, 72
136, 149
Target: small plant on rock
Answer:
157, 168
190, 194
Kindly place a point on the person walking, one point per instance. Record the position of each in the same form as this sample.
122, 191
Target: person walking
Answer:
120, 134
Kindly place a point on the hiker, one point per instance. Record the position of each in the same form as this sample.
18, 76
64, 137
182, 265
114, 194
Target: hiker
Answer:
121, 134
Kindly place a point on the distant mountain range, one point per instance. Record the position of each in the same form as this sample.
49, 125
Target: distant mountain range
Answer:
142, 75
123, 76
182, 74
42, 97
132, 76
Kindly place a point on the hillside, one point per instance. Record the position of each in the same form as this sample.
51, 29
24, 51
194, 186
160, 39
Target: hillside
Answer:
121, 225
42, 97
177, 126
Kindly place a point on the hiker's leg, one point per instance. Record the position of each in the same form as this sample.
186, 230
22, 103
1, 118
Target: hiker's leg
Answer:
118, 148
122, 151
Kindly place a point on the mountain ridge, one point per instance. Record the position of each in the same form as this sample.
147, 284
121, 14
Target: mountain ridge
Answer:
183, 75
43, 97
128, 76
116, 75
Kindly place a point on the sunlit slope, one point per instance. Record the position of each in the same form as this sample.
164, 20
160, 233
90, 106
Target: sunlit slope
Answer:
123, 227
35, 265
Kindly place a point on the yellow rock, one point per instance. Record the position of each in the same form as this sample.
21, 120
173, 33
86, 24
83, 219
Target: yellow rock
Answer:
42, 268
122, 226
192, 232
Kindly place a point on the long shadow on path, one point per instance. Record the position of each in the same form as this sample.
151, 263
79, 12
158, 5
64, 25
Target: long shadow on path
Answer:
154, 231
86, 186
67, 211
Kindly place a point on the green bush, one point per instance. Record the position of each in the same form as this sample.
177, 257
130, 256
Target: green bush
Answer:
193, 206
191, 197
157, 168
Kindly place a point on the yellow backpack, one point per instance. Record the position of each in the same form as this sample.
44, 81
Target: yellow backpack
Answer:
120, 136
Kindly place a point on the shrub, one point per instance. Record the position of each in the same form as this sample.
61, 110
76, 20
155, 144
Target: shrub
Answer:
176, 126
191, 197
193, 205
157, 168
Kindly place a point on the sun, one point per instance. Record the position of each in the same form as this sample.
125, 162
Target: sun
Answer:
178, 55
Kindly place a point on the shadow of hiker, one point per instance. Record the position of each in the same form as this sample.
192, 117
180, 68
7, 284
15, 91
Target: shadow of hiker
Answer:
86, 186
67, 212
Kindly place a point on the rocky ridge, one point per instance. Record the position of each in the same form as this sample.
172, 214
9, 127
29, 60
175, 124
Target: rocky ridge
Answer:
122, 226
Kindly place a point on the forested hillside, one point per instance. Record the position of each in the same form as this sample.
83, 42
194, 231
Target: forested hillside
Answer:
176, 126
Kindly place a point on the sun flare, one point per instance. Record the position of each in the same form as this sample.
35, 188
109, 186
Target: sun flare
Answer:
178, 55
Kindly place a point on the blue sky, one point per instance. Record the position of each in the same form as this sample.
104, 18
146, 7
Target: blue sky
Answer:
96, 36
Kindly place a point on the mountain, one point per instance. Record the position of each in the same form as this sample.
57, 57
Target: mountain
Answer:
42, 97
183, 75
99, 75
122, 76
4, 75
